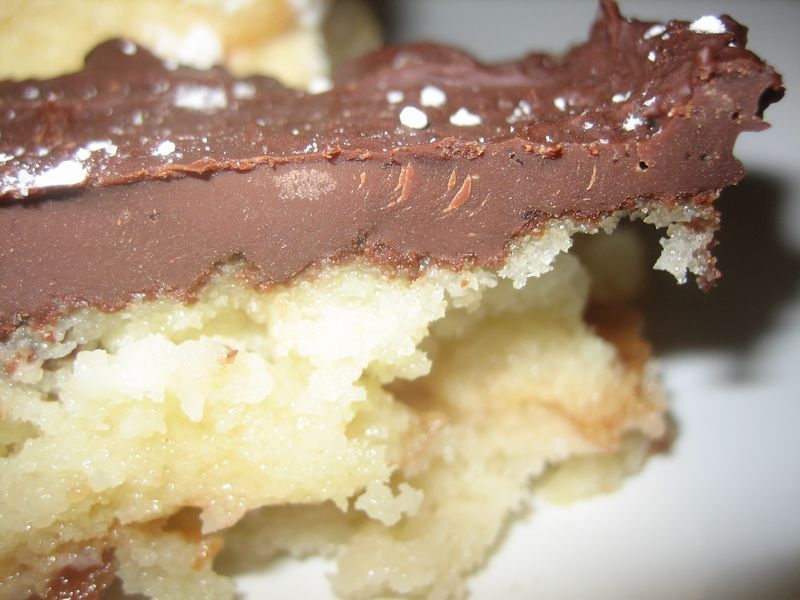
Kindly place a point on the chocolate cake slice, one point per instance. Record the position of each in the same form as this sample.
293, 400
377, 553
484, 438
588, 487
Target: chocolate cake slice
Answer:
355, 322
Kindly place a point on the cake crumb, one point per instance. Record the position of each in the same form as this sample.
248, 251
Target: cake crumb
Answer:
463, 118
654, 31
521, 111
708, 24
200, 97
632, 122
620, 97
413, 117
432, 96
395, 96
68, 172
164, 149
243, 90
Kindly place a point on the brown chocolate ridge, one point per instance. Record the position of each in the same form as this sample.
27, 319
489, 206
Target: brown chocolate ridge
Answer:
133, 178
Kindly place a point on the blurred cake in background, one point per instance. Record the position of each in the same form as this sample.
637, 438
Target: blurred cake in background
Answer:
296, 41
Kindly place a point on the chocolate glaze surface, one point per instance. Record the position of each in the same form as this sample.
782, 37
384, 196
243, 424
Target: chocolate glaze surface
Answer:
134, 177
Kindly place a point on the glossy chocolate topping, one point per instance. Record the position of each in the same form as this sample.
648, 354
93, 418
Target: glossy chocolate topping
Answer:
134, 177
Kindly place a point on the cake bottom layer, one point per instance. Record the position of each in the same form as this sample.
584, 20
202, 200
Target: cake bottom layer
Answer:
395, 423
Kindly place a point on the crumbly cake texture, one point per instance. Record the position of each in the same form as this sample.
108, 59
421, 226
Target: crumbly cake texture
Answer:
238, 320
293, 40
388, 420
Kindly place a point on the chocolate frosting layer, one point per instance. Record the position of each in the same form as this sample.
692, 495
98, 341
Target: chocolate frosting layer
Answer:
134, 177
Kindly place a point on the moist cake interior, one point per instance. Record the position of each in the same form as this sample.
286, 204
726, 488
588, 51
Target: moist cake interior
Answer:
395, 422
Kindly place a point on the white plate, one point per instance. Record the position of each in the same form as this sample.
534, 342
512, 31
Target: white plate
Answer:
718, 517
